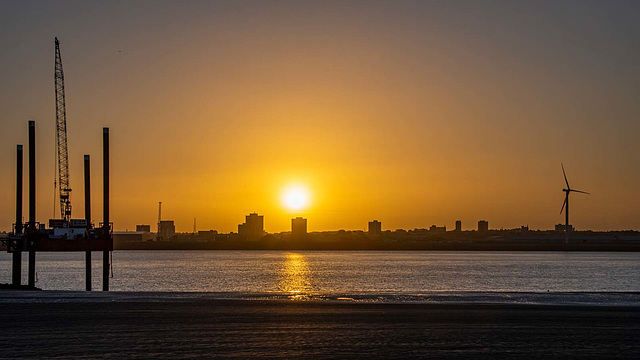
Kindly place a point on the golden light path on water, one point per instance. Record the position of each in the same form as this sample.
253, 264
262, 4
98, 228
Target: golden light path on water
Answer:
294, 278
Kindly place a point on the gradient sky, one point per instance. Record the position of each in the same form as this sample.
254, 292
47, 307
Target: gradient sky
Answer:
411, 112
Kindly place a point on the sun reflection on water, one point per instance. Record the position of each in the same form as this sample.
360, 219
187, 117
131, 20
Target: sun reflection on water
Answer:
294, 278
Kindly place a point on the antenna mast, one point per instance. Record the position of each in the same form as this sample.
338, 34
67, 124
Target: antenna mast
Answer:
61, 136
159, 234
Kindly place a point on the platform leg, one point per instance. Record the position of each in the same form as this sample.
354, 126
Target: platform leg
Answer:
32, 268
16, 272
87, 272
105, 271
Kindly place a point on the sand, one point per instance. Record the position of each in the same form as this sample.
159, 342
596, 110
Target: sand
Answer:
120, 325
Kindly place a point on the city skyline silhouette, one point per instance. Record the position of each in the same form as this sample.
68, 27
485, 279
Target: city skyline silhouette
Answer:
418, 113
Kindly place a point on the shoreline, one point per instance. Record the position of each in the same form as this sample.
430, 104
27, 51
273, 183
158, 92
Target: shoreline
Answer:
188, 325
515, 247
604, 299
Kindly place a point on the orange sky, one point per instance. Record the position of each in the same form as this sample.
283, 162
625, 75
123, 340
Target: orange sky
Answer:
412, 113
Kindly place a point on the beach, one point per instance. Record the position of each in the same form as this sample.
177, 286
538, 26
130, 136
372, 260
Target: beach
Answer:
49, 324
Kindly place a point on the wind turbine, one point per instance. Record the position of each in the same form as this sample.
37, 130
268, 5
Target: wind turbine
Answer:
565, 205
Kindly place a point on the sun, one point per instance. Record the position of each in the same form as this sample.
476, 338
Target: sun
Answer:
295, 197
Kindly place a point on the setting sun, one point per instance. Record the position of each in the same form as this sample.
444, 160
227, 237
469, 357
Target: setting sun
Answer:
295, 197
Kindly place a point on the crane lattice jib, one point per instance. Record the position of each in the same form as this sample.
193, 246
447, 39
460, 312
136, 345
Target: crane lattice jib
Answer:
61, 143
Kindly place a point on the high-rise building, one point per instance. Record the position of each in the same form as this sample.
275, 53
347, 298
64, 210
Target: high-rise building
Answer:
438, 229
167, 229
483, 226
375, 227
253, 227
298, 227
143, 228
458, 226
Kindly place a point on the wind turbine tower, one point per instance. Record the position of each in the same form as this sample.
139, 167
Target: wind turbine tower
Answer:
565, 205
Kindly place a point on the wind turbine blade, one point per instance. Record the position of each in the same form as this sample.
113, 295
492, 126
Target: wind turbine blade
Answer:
564, 203
565, 176
583, 192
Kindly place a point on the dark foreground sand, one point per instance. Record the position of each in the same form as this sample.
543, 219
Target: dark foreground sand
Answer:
119, 327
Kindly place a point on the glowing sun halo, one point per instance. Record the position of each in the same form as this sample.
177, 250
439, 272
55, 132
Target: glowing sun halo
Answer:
295, 197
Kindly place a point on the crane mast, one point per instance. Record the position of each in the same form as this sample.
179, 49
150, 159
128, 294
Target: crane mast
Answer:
61, 139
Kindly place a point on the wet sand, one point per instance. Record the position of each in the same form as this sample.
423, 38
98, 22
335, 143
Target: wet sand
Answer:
191, 326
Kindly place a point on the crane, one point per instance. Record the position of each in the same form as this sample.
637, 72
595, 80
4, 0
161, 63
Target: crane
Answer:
61, 139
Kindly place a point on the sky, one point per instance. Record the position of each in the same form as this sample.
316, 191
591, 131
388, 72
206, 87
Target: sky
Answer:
409, 112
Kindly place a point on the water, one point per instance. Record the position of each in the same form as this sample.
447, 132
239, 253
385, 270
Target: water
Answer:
347, 272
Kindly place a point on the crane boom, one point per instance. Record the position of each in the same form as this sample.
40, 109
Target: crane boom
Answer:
61, 137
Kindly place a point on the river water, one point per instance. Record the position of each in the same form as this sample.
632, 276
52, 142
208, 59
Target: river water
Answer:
410, 272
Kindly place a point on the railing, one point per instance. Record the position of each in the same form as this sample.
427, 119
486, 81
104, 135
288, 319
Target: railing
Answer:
25, 226
99, 231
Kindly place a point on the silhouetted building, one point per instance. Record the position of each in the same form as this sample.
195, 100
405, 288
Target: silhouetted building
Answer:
438, 229
560, 228
375, 227
167, 229
483, 226
143, 228
124, 238
207, 235
252, 229
298, 227
458, 225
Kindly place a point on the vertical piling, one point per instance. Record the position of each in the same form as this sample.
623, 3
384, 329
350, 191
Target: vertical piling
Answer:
16, 272
87, 216
32, 232
107, 233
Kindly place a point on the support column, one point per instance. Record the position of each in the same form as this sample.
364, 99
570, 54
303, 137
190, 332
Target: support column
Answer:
566, 223
32, 232
107, 232
87, 276
87, 216
16, 272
